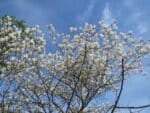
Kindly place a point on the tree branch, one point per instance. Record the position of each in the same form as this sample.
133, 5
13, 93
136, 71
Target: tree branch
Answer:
78, 77
133, 107
121, 88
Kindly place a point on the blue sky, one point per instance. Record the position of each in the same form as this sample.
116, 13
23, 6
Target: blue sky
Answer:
129, 14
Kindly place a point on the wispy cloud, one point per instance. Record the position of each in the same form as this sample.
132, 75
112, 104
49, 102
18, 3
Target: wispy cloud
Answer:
107, 14
136, 17
142, 28
87, 12
128, 3
34, 12
25, 6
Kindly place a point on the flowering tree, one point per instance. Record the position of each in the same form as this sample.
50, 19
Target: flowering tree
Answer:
20, 50
88, 62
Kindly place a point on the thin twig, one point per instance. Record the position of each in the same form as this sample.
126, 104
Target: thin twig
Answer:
133, 107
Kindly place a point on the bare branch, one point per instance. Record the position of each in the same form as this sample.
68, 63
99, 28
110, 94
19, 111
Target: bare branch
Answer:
133, 107
121, 88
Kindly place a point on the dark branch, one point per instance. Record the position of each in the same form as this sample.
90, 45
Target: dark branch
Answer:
78, 77
121, 88
133, 107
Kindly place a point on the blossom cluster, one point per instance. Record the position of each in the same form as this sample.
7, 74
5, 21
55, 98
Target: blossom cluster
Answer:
18, 45
91, 56
104, 48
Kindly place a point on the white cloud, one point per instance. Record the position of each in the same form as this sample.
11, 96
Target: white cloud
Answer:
87, 12
34, 13
128, 3
142, 28
135, 17
107, 14
27, 6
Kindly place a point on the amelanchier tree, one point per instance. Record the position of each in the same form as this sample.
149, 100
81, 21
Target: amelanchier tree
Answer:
21, 49
89, 61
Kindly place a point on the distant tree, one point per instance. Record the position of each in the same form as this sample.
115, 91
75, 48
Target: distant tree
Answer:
88, 62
